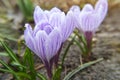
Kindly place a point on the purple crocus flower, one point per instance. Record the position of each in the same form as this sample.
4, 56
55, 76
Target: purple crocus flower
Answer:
52, 28
56, 18
89, 18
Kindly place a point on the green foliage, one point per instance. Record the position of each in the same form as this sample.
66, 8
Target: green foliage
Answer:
41, 76
28, 61
6, 32
57, 73
82, 44
81, 67
25, 66
67, 49
26, 7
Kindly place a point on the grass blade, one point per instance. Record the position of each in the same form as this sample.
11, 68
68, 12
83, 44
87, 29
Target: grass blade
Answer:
10, 52
80, 46
57, 73
22, 74
66, 50
41, 76
3, 54
81, 67
29, 61
5, 65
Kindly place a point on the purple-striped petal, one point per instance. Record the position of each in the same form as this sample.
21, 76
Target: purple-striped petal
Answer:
39, 40
76, 11
87, 8
55, 9
89, 21
43, 25
29, 37
57, 19
101, 8
53, 43
68, 26
39, 15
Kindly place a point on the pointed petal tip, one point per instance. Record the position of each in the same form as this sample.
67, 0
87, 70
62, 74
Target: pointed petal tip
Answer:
75, 7
55, 9
37, 7
27, 25
87, 7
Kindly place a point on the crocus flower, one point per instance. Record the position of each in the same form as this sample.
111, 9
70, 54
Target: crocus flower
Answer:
89, 18
52, 28
58, 19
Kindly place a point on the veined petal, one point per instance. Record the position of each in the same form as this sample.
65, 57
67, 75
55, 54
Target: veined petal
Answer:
47, 13
39, 14
53, 43
28, 28
39, 40
29, 40
48, 29
89, 21
87, 8
56, 19
68, 27
75, 9
101, 8
40, 26
55, 9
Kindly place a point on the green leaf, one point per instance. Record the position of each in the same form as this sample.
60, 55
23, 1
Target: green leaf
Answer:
57, 73
3, 54
67, 49
5, 65
26, 7
12, 72
41, 76
22, 74
10, 52
29, 61
9, 70
80, 46
81, 38
17, 64
12, 55
81, 67
29, 6
5, 70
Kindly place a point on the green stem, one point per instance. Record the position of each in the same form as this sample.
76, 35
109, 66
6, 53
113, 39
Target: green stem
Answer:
66, 50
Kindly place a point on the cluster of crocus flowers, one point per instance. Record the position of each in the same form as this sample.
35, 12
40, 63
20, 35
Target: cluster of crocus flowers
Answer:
51, 29
89, 19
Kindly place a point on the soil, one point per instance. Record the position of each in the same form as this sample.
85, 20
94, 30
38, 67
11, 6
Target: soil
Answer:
107, 46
